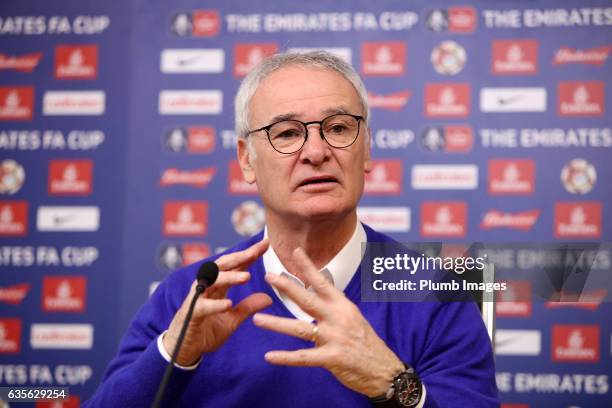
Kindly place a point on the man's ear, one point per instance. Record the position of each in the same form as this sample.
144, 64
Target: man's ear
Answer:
244, 160
367, 164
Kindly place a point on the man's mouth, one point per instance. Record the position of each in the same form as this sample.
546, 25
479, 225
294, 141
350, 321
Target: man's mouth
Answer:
318, 180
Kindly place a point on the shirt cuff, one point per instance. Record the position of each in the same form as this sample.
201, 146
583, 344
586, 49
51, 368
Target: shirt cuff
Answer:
166, 356
422, 401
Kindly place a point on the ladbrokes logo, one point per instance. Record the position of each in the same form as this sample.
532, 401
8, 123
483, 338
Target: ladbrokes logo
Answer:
393, 102
592, 56
14, 295
523, 221
444, 176
198, 23
10, 336
190, 102
511, 176
196, 178
383, 59
64, 294
450, 139
578, 219
386, 219
443, 219
70, 177
248, 56
16, 103
74, 103
580, 98
21, 63
76, 62
237, 184
515, 57
447, 100
575, 343
61, 336
515, 301
185, 218
385, 178
13, 218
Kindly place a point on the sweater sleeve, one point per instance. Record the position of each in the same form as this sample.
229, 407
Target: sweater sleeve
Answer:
133, 376
456, 361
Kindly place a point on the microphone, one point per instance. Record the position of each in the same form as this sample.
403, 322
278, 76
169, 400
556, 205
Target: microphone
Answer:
207, 276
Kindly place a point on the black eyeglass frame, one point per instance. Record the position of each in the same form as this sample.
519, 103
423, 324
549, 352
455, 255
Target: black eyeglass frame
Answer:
267, 128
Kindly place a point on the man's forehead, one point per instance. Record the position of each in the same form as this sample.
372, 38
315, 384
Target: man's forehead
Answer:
331, 92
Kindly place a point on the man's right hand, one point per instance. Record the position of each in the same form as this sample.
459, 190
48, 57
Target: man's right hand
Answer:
214, 319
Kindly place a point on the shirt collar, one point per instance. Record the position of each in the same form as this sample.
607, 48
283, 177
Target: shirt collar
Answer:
342, 266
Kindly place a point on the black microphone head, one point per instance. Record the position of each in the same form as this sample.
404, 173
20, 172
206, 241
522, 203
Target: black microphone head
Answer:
208, 273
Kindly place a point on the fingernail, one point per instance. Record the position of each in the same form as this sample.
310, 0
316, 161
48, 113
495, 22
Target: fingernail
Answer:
257, 318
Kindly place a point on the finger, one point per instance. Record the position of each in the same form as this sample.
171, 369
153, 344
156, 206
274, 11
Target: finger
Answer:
312, 276
308, 301
313, 357
225, 281
206, 307
242, 259
250, 305
292, 327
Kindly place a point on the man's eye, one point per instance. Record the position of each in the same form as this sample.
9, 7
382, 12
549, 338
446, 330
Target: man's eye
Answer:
286, 134
337, 128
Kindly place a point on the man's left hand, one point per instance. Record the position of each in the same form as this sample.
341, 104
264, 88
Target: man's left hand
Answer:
345, 343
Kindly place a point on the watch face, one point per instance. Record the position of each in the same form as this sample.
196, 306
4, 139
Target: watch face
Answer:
408, 391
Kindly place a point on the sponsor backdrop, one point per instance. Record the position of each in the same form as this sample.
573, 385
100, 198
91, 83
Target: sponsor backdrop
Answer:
117, 161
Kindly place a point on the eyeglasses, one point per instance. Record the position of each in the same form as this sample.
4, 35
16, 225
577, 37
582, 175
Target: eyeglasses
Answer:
289, 136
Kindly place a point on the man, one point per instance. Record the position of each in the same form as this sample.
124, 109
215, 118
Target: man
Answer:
302, 122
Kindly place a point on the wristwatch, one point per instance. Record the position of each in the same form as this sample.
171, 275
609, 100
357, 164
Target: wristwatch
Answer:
405, 391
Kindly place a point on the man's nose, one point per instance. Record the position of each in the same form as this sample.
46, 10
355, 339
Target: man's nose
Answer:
315, 150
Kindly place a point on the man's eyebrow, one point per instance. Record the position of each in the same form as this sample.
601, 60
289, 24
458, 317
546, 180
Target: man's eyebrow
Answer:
293, 115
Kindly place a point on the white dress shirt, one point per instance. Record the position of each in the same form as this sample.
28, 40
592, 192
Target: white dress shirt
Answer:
342, 267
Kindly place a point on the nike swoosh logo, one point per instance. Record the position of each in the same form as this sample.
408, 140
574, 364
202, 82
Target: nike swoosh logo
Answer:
188, 61
510, 99
59, 219
505, 342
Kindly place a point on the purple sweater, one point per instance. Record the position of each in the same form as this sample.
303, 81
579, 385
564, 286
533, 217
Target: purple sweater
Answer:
446, 343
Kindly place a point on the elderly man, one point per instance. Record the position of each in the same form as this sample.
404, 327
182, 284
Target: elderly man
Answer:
304, 140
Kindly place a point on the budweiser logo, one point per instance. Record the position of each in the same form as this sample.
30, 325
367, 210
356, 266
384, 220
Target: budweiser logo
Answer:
593, 56
393, 102
523, 221
197, 178
23, 63
14, 295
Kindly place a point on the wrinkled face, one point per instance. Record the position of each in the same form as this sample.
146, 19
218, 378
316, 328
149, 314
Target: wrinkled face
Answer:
318, 181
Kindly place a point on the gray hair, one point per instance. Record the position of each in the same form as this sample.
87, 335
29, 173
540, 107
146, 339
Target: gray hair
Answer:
316, 59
